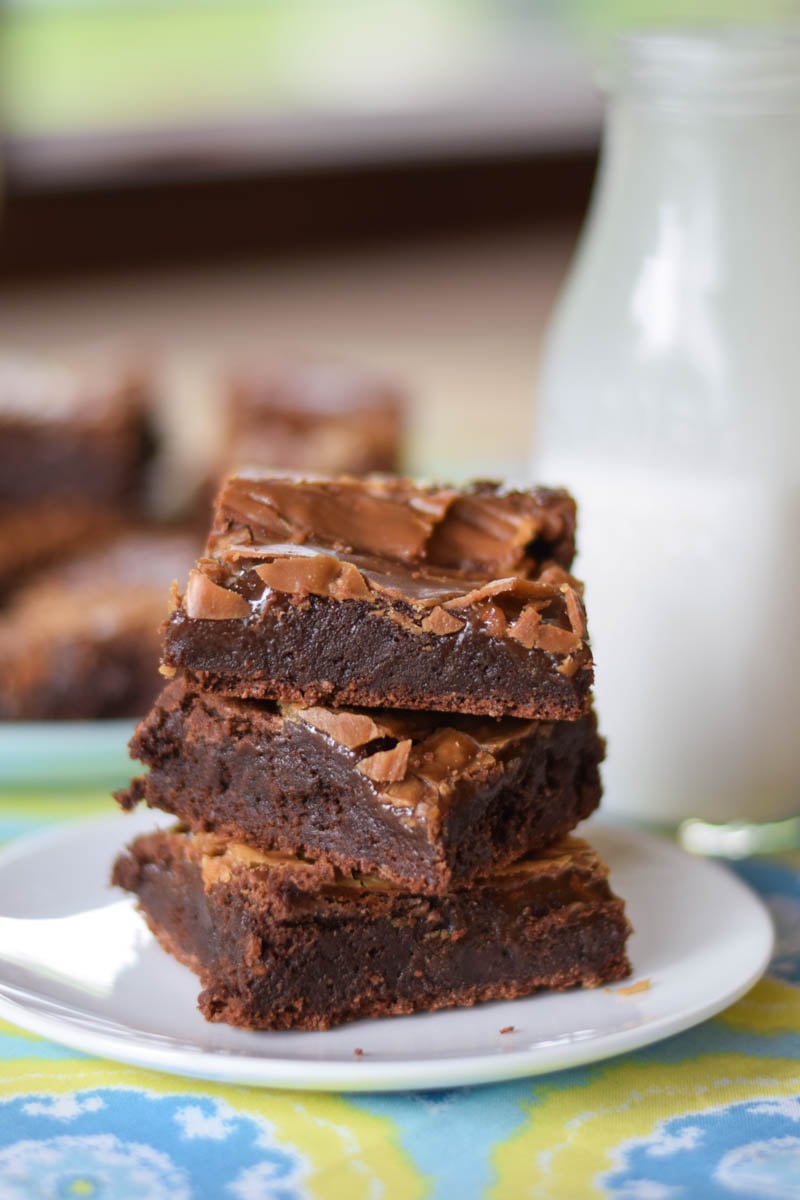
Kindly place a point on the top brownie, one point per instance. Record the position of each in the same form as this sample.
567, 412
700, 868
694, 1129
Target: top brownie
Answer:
385, 593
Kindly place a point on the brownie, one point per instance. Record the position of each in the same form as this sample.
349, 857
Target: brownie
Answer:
384, 593
426, 799
74, 444
38, 533
82, 640
283, 943
313, 415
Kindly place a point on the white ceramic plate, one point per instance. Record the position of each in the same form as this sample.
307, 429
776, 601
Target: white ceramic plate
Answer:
65, 753
78, 966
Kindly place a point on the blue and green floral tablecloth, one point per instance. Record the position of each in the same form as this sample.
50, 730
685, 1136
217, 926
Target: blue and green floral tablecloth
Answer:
713, 1113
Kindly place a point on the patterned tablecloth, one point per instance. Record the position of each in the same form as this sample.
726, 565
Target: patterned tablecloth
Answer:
712, 1113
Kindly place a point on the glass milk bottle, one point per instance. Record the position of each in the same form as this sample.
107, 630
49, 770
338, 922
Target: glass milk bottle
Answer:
670, 406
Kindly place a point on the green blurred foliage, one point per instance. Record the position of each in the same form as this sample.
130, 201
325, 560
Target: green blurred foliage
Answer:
94, 64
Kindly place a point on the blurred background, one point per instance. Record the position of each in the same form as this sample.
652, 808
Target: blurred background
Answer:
401, 181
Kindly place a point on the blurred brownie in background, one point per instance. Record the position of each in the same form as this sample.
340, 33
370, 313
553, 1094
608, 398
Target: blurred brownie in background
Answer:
82, 640
313, 415
74, 447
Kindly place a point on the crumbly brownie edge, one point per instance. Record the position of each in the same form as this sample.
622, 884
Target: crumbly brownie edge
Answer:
540, 798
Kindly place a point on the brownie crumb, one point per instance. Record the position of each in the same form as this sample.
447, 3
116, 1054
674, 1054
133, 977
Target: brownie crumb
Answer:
633, 989
358, 1052
508, 1029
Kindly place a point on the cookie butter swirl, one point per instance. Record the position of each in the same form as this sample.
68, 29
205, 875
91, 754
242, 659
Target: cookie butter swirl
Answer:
484, 528
414, 760
569, 872
544, 613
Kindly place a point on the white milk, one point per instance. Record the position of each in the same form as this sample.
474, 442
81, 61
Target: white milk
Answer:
692, 596
670, 405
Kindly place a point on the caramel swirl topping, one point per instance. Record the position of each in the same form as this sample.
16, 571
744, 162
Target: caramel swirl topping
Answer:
207, 601
387, 766
350, 729
484, 529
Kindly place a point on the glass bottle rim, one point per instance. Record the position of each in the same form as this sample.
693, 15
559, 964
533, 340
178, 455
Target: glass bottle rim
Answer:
747, 68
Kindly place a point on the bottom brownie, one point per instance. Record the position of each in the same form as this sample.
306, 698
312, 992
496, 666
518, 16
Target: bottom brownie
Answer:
284, 943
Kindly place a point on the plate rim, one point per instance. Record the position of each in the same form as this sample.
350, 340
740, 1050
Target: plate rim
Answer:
363, 1075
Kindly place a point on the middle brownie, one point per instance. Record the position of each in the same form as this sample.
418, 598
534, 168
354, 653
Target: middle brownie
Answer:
429, 800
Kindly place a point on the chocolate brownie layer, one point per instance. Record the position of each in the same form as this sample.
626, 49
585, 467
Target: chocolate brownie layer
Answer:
425, 799
281, 943
314, 416
82, 640
386, 594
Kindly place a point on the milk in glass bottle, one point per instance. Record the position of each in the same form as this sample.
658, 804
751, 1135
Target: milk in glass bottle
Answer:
670, 406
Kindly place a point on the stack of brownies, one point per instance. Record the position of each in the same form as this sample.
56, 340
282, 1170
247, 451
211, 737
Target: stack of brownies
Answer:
376, 735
